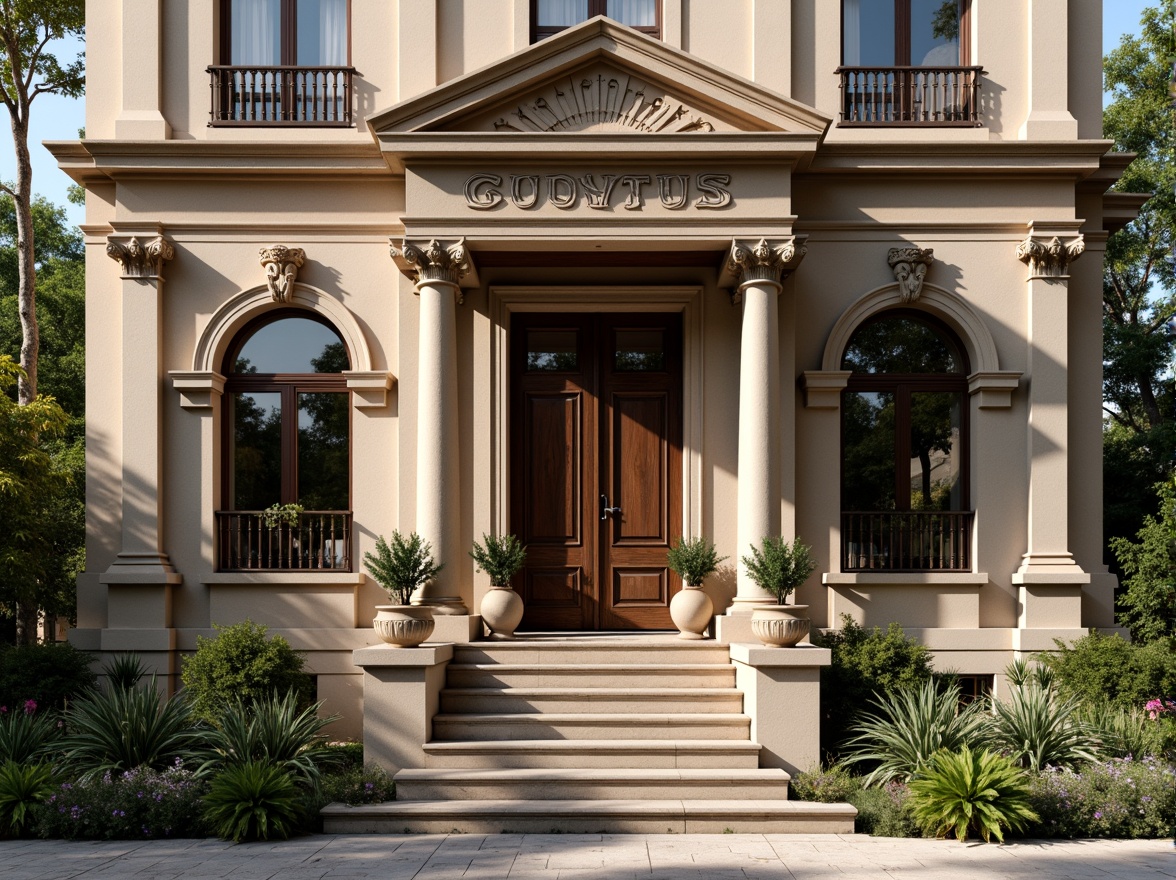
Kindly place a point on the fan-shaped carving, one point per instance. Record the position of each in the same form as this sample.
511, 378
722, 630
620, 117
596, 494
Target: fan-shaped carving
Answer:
603, 102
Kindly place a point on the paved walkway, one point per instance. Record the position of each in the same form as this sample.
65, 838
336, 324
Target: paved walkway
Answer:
569, 856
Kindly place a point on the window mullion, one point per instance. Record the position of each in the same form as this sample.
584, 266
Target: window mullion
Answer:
289, 445
902, 447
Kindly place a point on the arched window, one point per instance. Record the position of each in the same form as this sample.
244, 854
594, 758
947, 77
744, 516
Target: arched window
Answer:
287, 445
904, 436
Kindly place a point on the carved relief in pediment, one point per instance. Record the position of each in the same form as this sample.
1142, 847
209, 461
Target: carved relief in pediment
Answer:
603, 100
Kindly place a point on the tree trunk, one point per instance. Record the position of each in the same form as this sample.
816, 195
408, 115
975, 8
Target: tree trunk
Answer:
27, 288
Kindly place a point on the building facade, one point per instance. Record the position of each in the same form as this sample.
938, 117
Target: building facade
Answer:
826, 268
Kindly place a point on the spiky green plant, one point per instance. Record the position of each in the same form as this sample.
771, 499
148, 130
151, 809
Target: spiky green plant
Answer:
125, 671
1121, 733
779, 567
500, 557
28, 736
254, 800
909, 726
273, 731
693, 560
123, 729
22, 787
401, 565
1036, 727
1017, 672
968, 792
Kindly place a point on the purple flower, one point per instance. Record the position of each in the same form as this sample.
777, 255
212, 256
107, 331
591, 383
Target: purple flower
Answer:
30, 706
1097, 814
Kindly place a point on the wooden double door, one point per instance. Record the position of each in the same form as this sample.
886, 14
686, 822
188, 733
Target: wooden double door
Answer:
596, 467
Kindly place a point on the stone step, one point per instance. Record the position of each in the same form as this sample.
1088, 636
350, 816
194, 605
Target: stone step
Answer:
512, 726
579, 700
627, 753
622, 651
590, 784
591, 817
687, 675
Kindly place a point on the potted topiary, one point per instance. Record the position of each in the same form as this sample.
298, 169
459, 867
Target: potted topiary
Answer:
401, 566
691, 609
501, 558
779, 567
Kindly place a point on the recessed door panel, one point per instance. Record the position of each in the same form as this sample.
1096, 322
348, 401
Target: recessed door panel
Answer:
639, 449
553, 429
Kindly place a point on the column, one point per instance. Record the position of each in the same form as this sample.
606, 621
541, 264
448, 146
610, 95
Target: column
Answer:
1049, 116
1049, 580
759, 270
436, 270
141, 117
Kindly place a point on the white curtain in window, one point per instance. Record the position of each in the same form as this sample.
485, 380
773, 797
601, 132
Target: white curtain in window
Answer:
332, 33
851, 37
561, 13
256, 32
635, 13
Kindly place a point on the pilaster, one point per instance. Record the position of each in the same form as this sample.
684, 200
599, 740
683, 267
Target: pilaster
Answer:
1049, 117
141, 116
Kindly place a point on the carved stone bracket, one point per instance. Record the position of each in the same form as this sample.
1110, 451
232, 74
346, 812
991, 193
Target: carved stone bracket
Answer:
762, 261
910, 265
434, 261
281, 269
139, 260
1050, 259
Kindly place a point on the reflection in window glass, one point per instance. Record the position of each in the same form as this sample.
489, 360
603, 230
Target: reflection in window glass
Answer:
561, 13
868, 33
868, 465
256, 420
640, 351
935, 33
552, 351
635, 13
292, 345
901, 345
323, 451
935, 451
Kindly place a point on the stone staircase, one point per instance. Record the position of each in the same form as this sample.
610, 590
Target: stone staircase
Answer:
631, 733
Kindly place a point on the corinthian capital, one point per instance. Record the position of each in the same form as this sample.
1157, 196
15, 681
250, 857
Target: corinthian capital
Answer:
1049, 259
763, 261
139, 260
281, 269
433, 261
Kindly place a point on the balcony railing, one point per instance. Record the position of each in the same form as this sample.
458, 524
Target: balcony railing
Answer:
276, 96
928, 96
907, 540
319, 541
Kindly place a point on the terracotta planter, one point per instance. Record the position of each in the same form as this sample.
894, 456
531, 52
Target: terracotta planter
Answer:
403, 626
780, 626
691, 610
502, 611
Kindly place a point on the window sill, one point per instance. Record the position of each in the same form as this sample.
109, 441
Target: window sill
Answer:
906, 579
246, 578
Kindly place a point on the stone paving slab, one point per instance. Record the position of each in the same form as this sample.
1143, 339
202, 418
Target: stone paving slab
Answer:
589, 857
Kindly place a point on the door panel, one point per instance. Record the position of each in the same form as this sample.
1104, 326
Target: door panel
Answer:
639, 449
552, 449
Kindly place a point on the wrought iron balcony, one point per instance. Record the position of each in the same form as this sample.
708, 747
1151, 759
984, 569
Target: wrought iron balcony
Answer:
319, 541
926, 96
278, 96
906, 540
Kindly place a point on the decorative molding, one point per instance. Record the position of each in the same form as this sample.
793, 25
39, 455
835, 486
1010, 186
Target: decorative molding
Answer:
994, 389
910, 265
763, 261
603, 102
281, 269
434, 261
199, 389
370, 387
822, 388
140, 260
1050, 259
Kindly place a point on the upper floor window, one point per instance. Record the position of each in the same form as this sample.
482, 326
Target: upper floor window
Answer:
551, 16
902, 33
303, 33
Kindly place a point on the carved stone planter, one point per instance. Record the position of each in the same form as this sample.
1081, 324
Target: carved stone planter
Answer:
780, 626
502, 611
691, 610
403, 626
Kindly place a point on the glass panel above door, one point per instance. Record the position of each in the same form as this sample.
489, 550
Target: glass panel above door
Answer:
640, 351
552, 351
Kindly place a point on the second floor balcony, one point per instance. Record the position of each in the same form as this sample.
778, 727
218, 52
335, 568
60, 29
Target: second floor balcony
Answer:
281, 95
915, 96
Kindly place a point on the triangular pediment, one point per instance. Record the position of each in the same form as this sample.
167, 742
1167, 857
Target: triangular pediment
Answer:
600, 77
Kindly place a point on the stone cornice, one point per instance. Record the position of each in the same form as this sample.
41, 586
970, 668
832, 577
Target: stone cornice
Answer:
140, 259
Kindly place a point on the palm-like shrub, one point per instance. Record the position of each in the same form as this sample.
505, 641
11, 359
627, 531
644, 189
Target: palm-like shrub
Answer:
22, 787
1121, 733
909, 726
125, 671
402, 565
272, 731
254, 800
693, 560
964, 792
1036, 727
124, 729
28, 736
500, 557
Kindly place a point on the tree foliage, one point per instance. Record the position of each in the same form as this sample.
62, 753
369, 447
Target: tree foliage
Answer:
1148, 605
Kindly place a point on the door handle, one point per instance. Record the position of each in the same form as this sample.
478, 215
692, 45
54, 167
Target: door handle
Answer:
605, 510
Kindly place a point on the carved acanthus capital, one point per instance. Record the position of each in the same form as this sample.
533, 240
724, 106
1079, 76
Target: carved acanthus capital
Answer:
763, 261
139, 260
281, 269
434, 261
1049, 259
910, 266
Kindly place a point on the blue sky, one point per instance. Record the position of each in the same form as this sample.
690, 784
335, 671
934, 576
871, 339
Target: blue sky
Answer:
57, 118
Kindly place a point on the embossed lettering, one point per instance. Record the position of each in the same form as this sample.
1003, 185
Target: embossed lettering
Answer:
665, 190
634, 182
518, 197
569, 196
598, 195
488, 197
714, 190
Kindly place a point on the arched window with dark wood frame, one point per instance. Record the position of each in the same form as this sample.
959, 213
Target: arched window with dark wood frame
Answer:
904, 447
286, 462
